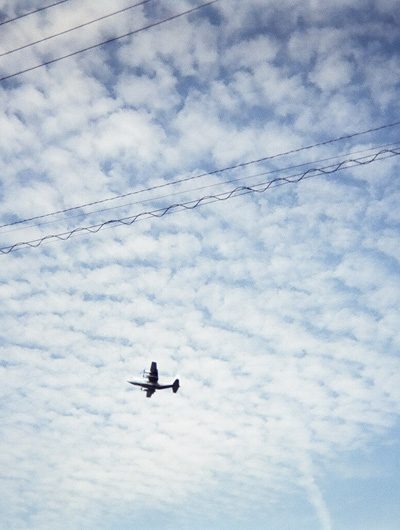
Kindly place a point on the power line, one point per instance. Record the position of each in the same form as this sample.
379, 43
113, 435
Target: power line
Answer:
209, 173
108, 41
74, 28
208, 199
207, 186
33, 12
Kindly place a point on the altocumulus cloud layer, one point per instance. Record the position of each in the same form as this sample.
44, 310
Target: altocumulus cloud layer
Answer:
279, 312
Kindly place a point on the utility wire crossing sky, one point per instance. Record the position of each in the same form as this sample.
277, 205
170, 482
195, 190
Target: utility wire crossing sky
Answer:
33, 12
79, 26
382, 154
213, 172
105, 42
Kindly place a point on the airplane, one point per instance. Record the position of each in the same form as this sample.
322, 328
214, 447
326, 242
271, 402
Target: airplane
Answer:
152, 382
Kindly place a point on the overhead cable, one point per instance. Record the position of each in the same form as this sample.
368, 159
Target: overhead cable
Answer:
191, 205
32, 12
205, 174
108, 41
200, 188
74, 28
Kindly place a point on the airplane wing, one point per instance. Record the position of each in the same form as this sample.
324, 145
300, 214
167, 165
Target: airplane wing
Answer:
135, 383
153, 375
150, 392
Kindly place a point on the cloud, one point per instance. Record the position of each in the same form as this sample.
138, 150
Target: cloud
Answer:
278, 311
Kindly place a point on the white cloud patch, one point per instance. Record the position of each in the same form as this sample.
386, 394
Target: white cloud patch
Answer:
277, 311
332, 73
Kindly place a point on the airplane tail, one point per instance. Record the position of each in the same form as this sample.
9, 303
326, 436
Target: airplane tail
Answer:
175, 386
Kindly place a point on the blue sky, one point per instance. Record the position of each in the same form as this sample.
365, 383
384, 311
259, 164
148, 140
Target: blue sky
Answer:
277, 311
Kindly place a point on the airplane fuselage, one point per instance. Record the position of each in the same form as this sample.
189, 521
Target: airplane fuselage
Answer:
152, 386
152, 383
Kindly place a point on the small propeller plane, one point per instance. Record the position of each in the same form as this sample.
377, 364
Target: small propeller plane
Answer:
152, 382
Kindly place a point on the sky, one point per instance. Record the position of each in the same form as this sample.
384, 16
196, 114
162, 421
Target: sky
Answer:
278, 311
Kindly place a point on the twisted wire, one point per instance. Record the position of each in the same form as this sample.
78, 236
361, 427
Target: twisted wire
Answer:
191, 205
207, 186
199, 188
208, 173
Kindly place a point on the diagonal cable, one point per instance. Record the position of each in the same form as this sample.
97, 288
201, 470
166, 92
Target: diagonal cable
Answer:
191, 205
74, 28
209, 173
108, 41
199, 188
32, 12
